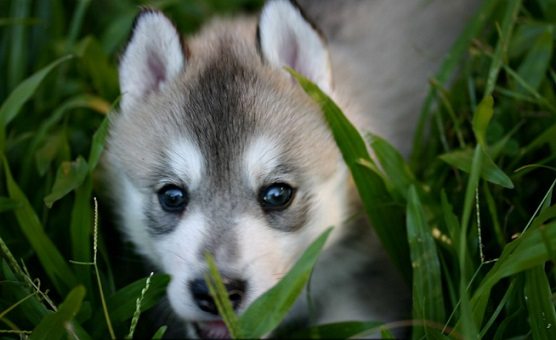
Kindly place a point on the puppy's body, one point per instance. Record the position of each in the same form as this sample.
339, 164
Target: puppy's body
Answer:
384, 52
216, 149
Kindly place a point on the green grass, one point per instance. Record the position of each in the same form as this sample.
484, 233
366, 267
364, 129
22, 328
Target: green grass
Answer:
478, 245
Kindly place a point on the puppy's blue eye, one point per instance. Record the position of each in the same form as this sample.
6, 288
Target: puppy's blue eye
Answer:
172, 198
277, 196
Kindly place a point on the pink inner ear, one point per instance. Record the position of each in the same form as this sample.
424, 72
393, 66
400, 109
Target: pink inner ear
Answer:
290, 51
157, 72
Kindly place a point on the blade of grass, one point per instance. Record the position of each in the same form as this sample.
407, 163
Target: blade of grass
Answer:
533, 69
220, 297
538, 297
498, 309
521, 254
8, 309
541, 206
268, 310
55, 325
55, 147
97, 146
52, 261
508, 23
69, 177
7, 204
427, 286
81, 101
443, 96
338, 330
17, 50
159, 334
546, 137
491, 204
102, 73
12, 105
76, 22
469, 327
393, 164
81, 225
462, 160
34, 309
11, 261
481, 118
385, 215
542, 101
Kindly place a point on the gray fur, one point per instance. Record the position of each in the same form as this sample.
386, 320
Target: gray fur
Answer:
383, 54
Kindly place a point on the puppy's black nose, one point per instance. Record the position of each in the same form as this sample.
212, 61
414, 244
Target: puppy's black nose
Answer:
203, 299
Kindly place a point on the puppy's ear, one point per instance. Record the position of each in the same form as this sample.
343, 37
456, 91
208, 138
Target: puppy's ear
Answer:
153, 56
286, 38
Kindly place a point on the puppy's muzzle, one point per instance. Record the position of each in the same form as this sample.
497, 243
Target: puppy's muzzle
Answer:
201, 294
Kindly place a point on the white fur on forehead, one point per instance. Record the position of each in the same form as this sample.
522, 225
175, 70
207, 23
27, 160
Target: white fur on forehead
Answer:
187, 162
287, 39
153, 56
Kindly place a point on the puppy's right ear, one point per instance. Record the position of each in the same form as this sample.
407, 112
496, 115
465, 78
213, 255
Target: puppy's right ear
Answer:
153, 56
287, 38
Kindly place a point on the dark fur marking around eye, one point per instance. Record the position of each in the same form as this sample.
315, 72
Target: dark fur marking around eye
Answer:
160, 223
293, 218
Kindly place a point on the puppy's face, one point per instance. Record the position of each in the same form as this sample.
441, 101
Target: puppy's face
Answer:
221, 152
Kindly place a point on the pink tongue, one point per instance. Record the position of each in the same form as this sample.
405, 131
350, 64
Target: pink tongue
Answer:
213, 330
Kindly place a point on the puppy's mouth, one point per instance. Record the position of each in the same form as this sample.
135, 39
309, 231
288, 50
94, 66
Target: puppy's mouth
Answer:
211, 329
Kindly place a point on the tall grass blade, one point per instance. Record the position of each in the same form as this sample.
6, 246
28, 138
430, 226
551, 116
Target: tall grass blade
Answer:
481, 119
528, 251
220, 296
546, 137
267, 311
498, 309
508, 23
81, 224
69, 177
80, 233
462, 160
538, 297
385, 215
12, 105
17, 50
34, 309
76, 22
7, 204
52, 261
427, 284
537, 62
393, 164
159, 334
58, 324
10, 108
469, 328
338, 330
97, 146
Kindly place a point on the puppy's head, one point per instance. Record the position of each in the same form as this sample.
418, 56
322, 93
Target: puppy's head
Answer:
218, 150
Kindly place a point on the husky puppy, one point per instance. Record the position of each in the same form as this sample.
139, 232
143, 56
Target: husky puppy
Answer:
217, 149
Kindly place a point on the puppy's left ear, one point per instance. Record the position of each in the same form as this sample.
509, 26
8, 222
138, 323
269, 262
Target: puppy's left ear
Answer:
286, 38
